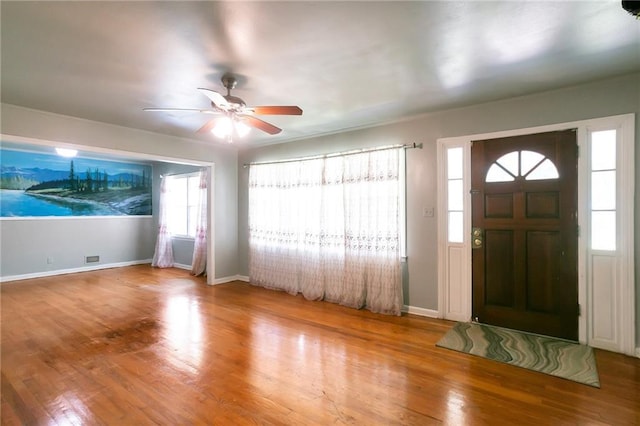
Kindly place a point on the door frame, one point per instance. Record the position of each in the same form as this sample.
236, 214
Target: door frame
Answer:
211, 257
607, 324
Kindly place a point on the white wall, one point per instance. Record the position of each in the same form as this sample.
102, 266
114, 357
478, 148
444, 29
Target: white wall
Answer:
615, 96
24, 243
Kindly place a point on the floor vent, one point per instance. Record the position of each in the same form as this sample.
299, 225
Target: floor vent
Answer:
91, 259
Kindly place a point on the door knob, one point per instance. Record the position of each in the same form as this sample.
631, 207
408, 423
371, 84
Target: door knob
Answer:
476, 240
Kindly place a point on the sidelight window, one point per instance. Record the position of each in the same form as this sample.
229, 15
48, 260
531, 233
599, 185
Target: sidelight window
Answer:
603, 190
455, 195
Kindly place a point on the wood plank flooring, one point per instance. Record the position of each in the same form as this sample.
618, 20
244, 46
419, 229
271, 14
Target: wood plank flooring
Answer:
140, 346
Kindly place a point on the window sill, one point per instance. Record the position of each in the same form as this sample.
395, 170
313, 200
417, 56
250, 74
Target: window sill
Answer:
182, 237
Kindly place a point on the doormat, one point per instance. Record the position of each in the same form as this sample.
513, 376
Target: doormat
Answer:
547, 355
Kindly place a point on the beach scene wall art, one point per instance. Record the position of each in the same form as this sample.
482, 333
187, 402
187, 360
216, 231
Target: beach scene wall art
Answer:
35, 184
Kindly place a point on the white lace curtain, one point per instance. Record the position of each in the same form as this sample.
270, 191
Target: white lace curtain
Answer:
329, 228
163, 255
199, 261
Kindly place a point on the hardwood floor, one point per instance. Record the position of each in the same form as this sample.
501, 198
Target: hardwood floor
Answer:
138, 345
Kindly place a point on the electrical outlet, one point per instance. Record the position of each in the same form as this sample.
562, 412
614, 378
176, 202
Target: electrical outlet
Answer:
427, 212
49, 260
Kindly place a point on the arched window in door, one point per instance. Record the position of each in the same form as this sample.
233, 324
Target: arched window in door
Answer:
528, 164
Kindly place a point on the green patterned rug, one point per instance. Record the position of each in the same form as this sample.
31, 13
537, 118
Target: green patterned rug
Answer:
548, 355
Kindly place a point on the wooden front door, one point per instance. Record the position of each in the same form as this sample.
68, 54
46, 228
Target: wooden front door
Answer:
524, 218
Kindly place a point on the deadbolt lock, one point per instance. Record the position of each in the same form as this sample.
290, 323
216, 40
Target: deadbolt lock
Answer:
476, 240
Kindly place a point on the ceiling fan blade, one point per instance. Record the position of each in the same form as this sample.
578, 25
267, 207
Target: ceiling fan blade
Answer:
259, 124
208, 126
204, 111
276, 110
215, 97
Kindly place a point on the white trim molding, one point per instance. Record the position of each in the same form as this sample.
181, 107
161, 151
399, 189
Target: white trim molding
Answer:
231, 278
72, 270
430, 313
43, 274
182, 266
215, 281
211, 220
606, 322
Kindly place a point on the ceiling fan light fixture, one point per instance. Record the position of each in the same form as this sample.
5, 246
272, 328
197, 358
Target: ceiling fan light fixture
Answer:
227, 127
241, 128
222, 129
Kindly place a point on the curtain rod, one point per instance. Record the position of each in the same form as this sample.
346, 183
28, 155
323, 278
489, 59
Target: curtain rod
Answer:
337, 154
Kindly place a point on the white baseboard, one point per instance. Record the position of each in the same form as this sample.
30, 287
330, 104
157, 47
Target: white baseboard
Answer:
637, 352
431, 313
216, 281
230, 279
108, 266
182, 266
72, 270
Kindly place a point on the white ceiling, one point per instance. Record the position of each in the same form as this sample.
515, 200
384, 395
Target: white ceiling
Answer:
346, 64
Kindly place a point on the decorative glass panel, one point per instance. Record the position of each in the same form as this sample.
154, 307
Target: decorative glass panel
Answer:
498, 174
546, 170
509, 162
532, 165
603, 150
454, 163
528, 160
603, 230
456, 226
455, 194
603, 190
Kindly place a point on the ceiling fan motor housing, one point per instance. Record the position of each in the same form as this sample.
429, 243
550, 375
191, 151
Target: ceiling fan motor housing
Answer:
230, 82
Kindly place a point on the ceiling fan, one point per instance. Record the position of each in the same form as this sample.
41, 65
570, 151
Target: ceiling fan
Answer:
236, 118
